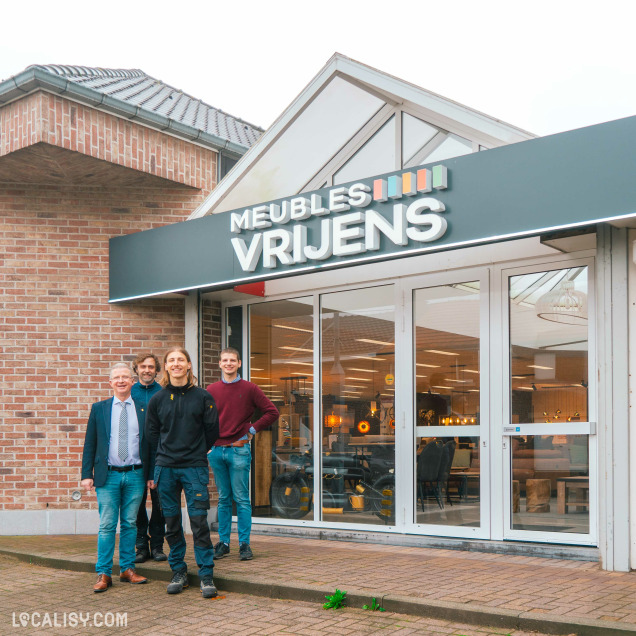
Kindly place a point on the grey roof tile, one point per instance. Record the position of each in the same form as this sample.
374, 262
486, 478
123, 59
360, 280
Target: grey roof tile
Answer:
135, 87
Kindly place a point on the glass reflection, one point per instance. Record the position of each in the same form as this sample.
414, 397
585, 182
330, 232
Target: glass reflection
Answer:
358, 417
447, 481
549, 347
550, 483
447, 378
281, 363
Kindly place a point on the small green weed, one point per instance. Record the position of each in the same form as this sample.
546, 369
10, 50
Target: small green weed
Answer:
335, 601
374, 607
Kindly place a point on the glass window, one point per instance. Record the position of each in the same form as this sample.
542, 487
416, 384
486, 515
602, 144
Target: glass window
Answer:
549, 347
415, 134
550, 483
452, 146
377, 156
447, 379
358, 415
281, 363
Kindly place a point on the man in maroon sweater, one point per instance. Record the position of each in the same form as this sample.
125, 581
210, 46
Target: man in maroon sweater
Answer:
231, 457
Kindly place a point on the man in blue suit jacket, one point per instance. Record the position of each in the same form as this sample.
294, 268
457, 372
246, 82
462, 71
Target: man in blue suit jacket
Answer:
115, 452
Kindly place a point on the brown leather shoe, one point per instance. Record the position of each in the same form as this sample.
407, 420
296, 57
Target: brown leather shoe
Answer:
103, 583
130, 576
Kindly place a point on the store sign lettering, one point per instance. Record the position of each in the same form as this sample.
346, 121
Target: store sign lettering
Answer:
349, 225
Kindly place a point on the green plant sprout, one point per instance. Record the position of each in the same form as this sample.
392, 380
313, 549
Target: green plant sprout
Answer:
335, 601
374, 607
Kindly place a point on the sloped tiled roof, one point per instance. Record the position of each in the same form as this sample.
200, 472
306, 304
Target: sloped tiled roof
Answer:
139, 89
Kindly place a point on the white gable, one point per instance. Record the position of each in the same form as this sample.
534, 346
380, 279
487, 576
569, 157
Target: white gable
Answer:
353, 121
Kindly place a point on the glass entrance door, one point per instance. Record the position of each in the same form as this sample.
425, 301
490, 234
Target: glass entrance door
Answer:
450, 417
549, 431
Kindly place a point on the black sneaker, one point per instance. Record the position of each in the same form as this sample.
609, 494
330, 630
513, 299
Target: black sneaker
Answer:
208, 589
221, 549
142, 556
158, 555
179, 582
245, 552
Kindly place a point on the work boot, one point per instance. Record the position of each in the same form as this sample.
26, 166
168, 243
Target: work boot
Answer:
179, 582
158, 555
142, 556
208, 589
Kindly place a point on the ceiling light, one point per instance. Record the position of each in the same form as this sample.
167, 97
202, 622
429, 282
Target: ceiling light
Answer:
308, 364
297, 349
538, 366
470, 371
366, 358
302, 373
442, 387
563, 304
363, 370
378, 342
293, 328
453, 380
430, 366
259, 377
443, 353
421, 376
360, 379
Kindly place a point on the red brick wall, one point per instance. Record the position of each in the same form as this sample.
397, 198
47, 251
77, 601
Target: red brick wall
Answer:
60, 334
211, 341
55, 120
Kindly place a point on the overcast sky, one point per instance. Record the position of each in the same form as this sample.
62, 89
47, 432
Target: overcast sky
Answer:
544, 66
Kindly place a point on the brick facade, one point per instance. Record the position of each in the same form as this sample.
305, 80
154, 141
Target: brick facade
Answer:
60, 334
61, 123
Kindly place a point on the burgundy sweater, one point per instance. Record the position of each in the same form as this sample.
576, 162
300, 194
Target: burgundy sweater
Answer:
236, 403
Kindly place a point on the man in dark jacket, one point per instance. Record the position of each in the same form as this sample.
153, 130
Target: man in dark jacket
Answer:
147, 366
182, 425
114, 459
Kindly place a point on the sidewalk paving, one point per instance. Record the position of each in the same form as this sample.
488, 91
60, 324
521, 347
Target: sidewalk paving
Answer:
553, 596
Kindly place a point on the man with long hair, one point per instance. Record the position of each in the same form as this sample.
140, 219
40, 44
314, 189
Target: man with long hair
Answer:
182, 424
150, 532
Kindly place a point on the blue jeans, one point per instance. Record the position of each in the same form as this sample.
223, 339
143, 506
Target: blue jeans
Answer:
231, 466
118, 499
194, 483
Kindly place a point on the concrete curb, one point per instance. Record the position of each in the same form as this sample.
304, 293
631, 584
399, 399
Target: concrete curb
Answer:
442, 610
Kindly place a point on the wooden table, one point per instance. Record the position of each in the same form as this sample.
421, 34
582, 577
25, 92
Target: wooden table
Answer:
579, 487
463, 476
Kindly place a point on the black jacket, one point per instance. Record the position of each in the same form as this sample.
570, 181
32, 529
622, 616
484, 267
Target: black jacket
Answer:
182, 424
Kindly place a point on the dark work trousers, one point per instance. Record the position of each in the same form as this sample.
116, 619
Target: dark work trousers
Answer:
156, 527
194, 483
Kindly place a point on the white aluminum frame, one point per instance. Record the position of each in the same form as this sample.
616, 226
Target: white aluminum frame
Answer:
504, 428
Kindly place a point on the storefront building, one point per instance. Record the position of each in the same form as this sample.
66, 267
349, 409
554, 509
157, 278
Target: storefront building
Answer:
439, 305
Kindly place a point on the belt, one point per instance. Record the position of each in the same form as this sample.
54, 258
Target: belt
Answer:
238, 444
125, 469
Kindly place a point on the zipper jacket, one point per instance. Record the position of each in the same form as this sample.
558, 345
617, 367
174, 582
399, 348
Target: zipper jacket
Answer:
182, 425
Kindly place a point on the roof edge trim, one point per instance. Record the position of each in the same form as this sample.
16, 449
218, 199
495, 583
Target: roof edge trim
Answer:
31, 79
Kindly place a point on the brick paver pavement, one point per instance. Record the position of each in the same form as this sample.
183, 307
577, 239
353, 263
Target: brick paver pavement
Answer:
513, 585
33, 599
